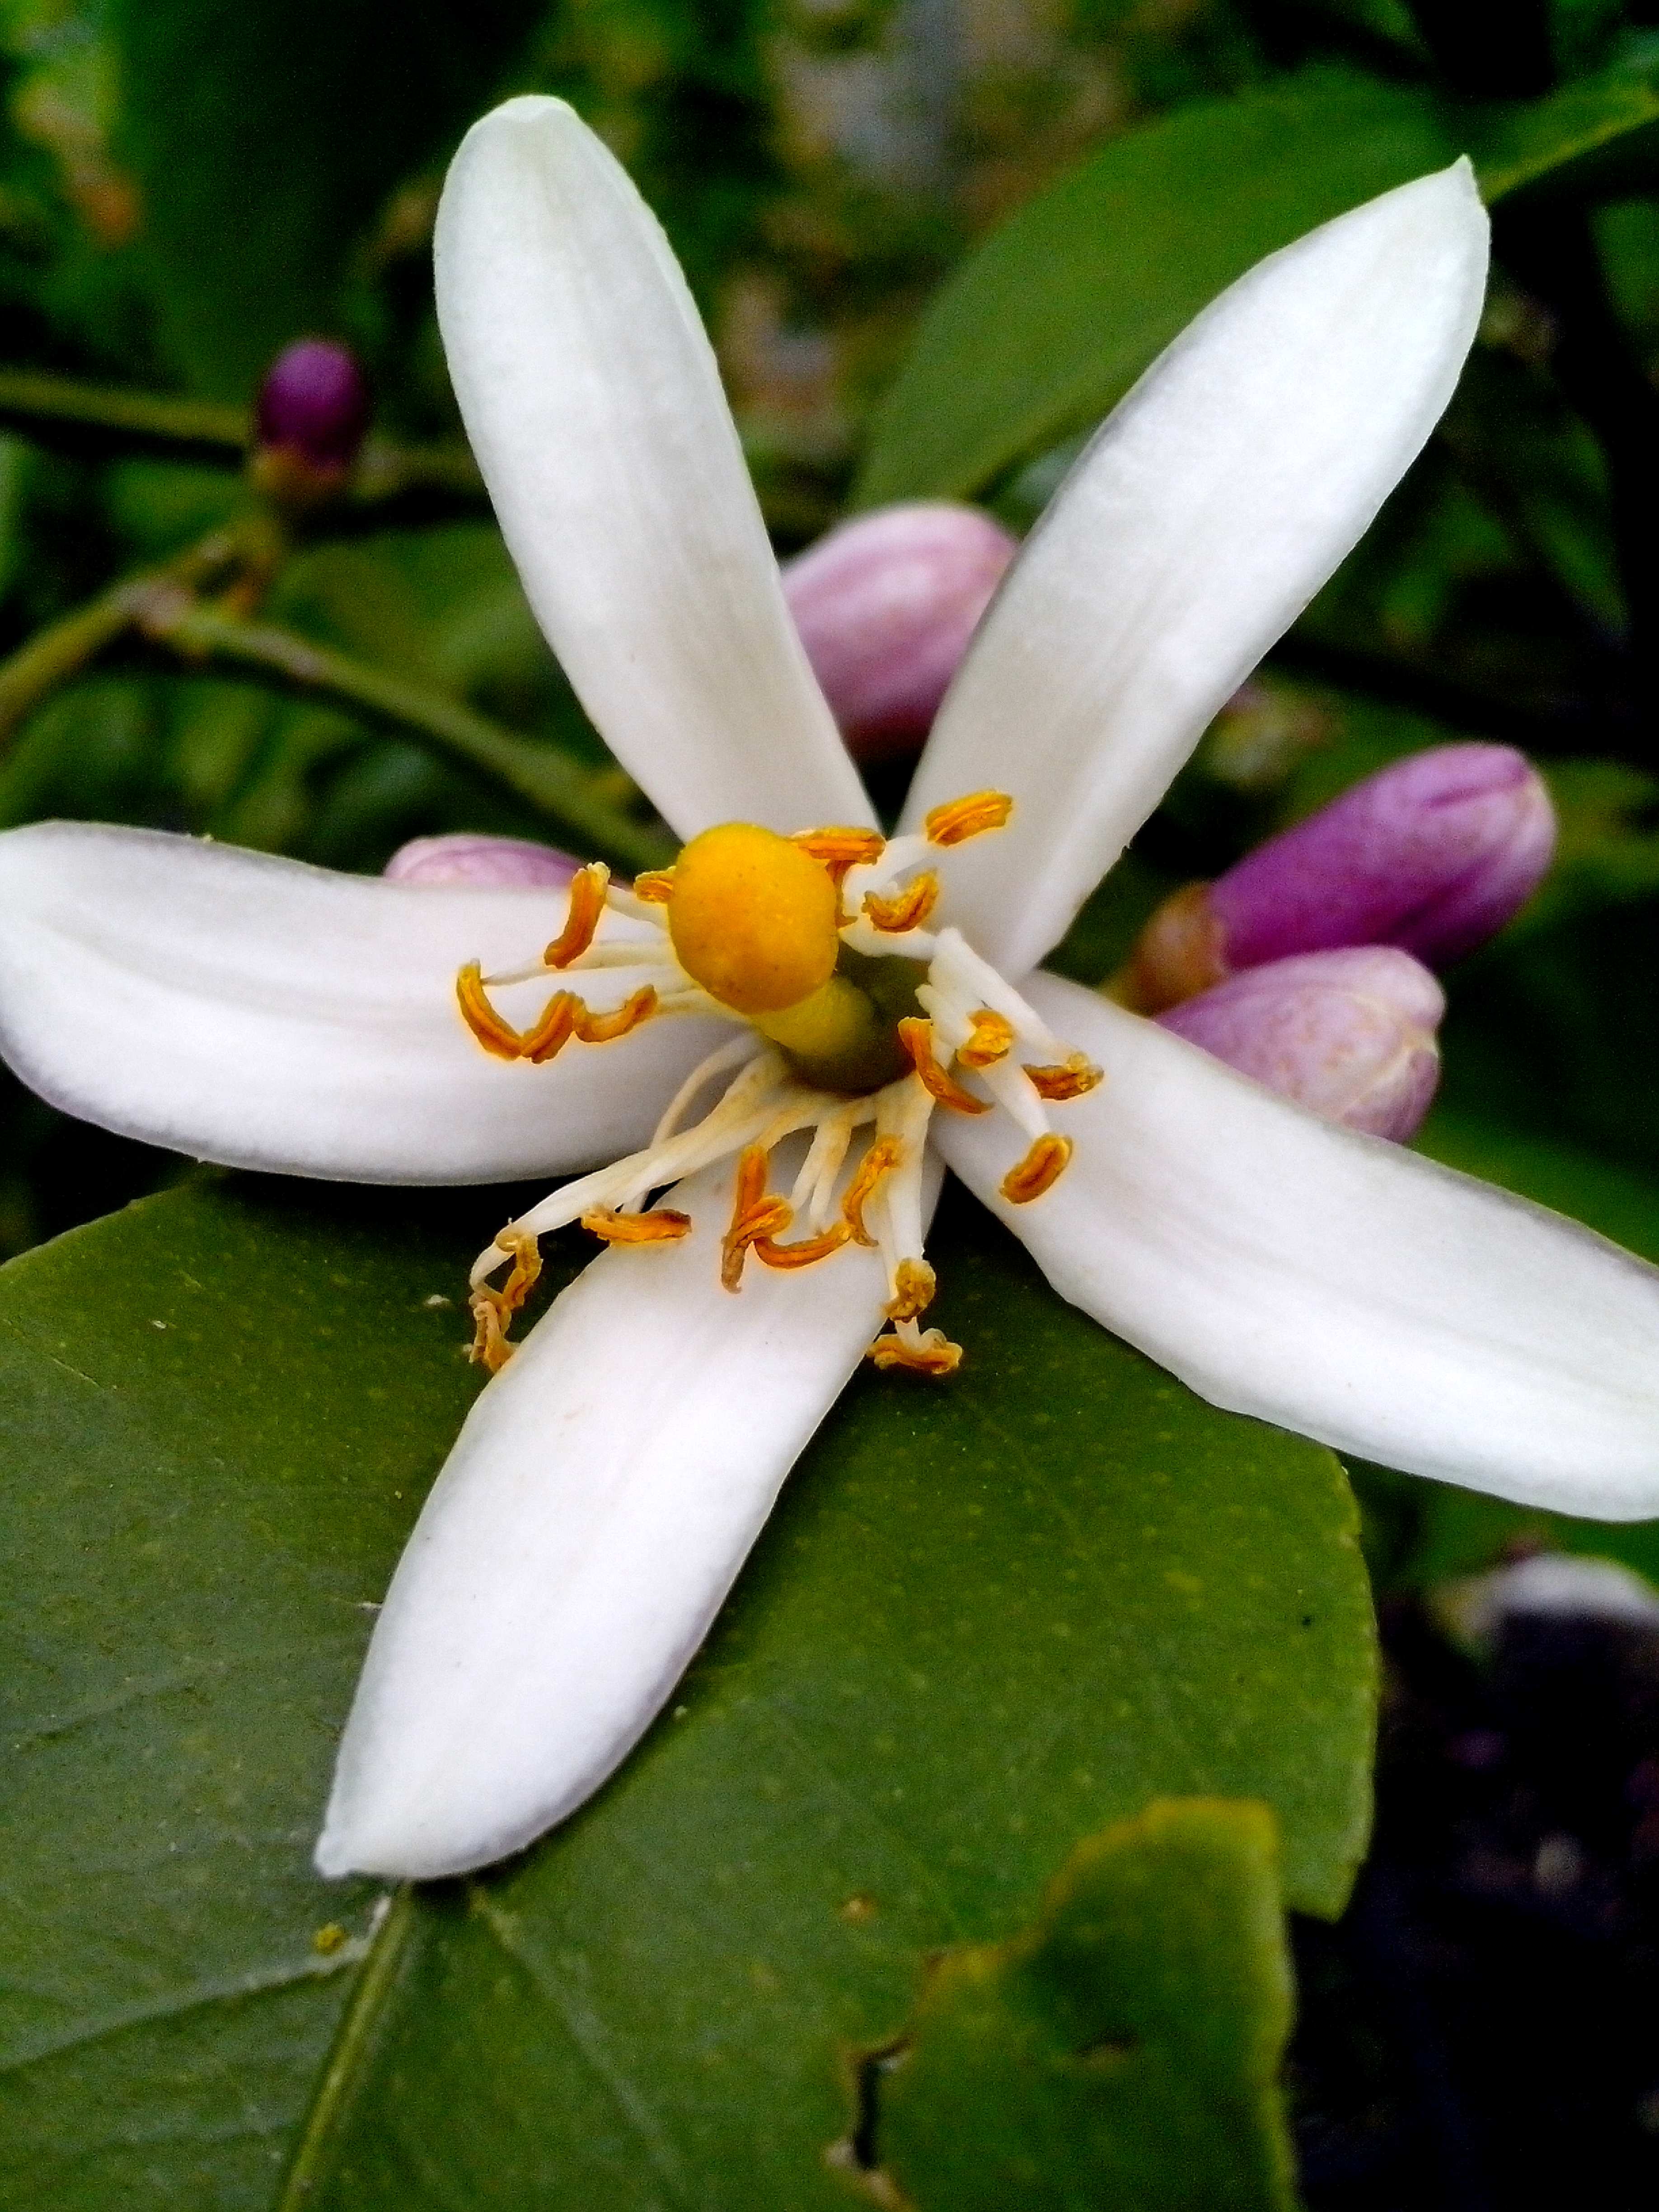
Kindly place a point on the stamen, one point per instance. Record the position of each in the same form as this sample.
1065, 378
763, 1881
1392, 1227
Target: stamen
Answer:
916, 1037
883, 1156
805, 1252
908, 909
754, 1215
837, 850
931, 1352
662, 1226
603, 1029
553, 1031
1071, 1079
1039, 1171
588, 901
962, 818
492, 1309
991, 1039
741, 1048
913, 1291
654, 887
498, 1037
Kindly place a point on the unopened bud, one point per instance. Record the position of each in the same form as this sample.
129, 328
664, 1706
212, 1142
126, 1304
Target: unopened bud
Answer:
1349, 1034
310, 421
1433, 856
507, 863
885, 606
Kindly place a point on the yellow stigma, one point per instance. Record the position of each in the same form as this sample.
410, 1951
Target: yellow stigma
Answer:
753, 919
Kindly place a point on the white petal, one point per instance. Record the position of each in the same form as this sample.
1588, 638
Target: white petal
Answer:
594, 406
265, 1014
601, 1498
1333, 1282
1197, 525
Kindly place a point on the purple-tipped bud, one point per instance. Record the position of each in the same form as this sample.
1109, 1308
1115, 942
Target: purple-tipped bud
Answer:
885, 605
310, 420
1349, 1034
507, 863
1433, 854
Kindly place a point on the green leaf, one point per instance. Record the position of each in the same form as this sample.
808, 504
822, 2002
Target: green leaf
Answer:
1043, 329
1600, 132
987, 1619
1123, 2053
265, 138
1047, 325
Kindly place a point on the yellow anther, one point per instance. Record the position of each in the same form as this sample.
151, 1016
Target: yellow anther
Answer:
588, 890
913, 1285
1070, 1079
661, 1226
882, 1156
754, 1215
754, 918
563, 1017
916, 1037
962, 818
838, 850
655, 887
907, 910
925, 1351
1039, 1171
993, 1040
498, 1037
492, 1309
601, 1029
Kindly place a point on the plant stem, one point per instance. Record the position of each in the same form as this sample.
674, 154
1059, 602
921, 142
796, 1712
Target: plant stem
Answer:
562, 793
61, 650
30, 399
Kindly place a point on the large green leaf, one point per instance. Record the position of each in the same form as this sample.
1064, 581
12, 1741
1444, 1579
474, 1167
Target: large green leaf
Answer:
987, 1619
265, 138
1123, 2054
1047, 325
1600, 132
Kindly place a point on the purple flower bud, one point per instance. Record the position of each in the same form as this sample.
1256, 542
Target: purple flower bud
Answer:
1433, 854
312, 411
1350, 1034
503, 862
885, 605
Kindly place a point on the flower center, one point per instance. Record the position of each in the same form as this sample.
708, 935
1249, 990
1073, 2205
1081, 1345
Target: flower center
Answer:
858, 1017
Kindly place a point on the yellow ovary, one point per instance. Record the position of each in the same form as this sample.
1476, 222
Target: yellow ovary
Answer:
753, 919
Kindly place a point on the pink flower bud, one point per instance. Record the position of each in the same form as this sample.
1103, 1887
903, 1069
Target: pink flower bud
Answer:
1350, 1034
885, 605
310, 420
1433, 854
504, 862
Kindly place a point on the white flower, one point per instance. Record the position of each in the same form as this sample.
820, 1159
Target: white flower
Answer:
609, 1480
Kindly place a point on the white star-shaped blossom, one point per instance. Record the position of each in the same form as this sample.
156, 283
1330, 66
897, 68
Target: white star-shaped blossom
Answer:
610, 1480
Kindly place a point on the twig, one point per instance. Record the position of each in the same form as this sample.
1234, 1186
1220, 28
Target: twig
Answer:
31, 399
562, 793
64, 647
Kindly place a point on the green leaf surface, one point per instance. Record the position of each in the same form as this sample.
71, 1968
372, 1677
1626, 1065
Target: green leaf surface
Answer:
1600, 132
987, 1620
265, 140
1123, 2053
1043, 329
1047, 325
